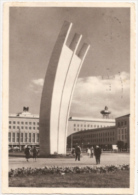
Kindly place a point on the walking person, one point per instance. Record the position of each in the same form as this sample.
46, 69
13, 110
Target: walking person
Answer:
97, 153
77, 152
27, 153
34, 153
92, 152
89, 152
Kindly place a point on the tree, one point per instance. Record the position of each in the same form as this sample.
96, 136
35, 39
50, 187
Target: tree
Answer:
120, 145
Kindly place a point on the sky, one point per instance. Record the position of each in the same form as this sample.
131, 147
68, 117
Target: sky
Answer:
104, 79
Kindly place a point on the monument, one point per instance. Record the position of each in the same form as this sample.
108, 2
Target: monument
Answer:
61, 76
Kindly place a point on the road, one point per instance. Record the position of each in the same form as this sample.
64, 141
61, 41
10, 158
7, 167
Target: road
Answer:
106, 159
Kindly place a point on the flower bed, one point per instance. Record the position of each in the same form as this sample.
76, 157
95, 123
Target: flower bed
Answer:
65, 170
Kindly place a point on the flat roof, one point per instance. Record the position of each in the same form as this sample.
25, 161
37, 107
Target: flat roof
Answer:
93, 130
127, 115
91, 119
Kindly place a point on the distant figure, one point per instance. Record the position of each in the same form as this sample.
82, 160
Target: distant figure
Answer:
34, 153
77, 152
92, 152
97, 153
27, 153
89, 152
73, 151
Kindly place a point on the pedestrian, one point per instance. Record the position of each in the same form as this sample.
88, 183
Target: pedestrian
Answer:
89, 152
97, 153
92, 152
34, 153
73, 151
77, 152
27, 153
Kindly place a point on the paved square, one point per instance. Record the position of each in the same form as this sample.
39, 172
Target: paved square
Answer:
106, 159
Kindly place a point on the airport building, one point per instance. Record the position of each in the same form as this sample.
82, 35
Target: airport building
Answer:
23, 129
105, 137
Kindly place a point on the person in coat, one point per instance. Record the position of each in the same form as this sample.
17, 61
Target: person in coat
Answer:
97, 153
27, 152
77, 152
92, 152
34, 153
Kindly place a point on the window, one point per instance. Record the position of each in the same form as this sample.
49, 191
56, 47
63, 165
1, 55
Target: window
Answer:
30, 127
74, 125
78, 125
13, 137
122, 123
33, 137
74, 129
26, 123
9, 127
14, 122
37, 123
125, 122
87, 125
118, 124
34, 123
13, 127
18, 122
26, 127
22, 127
9, 122
22, 122
30, 137
9, 137
17, 138
21, 137
37, 137
30, 123
38, 128
33, 127
25, 137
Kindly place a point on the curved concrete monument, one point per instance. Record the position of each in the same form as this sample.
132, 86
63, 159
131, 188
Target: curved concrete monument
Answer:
62, 73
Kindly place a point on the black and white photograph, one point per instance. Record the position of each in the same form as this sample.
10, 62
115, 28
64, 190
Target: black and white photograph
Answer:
70, 112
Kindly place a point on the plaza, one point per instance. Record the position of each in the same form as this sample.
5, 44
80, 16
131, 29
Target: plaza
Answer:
106, 159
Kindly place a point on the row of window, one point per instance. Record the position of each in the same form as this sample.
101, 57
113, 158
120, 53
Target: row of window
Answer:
122, 123
16, 137
122, 137
14, 127
97, 135
26, 123
122, 131
95, 140
75, 125
98, 126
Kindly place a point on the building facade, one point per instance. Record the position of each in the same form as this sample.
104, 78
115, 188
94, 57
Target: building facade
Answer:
105, 137
123, 129
81, 124
23, 129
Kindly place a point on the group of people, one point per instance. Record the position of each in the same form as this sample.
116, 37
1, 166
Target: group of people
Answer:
28, 151
90, 151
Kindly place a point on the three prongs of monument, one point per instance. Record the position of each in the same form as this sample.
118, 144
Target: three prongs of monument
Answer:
62, 73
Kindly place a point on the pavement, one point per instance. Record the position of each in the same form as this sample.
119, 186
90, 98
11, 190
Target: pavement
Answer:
106, 159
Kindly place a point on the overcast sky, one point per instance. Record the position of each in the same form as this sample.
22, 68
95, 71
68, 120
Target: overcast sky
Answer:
33, 33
